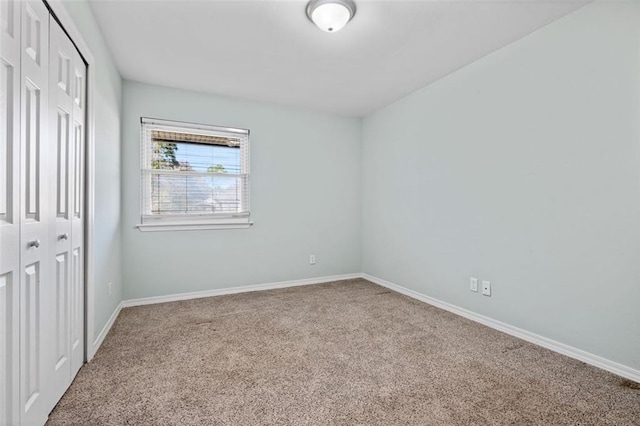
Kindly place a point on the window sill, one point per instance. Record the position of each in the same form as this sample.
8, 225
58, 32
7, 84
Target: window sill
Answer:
159, 227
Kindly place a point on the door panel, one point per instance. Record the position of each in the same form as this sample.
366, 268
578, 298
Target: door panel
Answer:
36, 288
8, 349
61, 180
66, 112
32, 145
33, 22
31, 332
6, 162
10, 273
79, 94
9, 18
76, 295
61, 313
64, 70
77, 168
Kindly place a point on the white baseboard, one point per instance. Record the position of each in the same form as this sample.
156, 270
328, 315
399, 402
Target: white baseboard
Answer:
105, 330
234, 290
570, 351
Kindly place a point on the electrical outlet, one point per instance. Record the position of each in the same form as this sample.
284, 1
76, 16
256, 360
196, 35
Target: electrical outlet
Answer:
312, 259
473, 284
486, 288
109, 287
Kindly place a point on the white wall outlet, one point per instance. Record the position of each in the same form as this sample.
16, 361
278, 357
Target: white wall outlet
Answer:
312, 259
473, 284
109, 287
486, 288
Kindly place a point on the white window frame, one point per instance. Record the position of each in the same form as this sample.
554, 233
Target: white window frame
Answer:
183, 222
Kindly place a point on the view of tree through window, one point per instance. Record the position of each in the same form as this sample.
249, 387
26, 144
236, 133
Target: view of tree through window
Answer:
212, 184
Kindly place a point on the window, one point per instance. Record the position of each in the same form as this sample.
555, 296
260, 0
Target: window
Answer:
193, 176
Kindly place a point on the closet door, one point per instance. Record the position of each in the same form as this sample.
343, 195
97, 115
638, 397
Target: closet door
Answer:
77, 212
67, 82
35, 283
10, 271
61, 58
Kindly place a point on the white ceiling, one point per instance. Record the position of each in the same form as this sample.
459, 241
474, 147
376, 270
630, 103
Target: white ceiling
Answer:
269, 51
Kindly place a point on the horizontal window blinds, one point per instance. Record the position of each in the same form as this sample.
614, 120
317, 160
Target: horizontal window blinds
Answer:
160, 135
193, 170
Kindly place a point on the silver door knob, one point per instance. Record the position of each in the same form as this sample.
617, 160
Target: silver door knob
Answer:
64, 236
35, 243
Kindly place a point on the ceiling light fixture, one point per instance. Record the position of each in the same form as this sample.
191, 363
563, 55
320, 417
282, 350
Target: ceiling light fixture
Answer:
331, 15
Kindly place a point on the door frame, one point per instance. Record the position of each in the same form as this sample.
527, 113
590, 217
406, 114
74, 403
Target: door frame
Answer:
60, 12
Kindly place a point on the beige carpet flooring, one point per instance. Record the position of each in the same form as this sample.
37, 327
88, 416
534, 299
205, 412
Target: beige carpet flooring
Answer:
343, 353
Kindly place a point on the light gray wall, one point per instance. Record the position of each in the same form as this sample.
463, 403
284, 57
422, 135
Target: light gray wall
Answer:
522, 169
305, 198
107, 104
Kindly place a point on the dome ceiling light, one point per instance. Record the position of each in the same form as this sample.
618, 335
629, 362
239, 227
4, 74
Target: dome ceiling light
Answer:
331, 15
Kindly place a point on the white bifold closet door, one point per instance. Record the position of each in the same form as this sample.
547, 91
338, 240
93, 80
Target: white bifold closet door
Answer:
42, 126
10, 269
67, 78
35, 283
